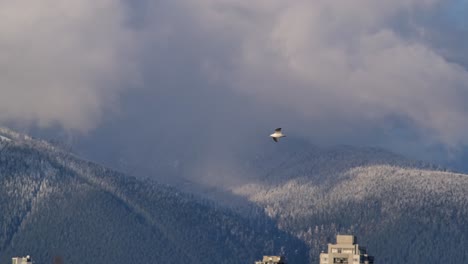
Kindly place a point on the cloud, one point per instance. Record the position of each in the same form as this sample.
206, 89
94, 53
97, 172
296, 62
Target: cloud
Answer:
345, 66
62, 62
366, 72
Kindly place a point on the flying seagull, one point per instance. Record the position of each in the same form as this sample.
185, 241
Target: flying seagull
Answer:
277, 135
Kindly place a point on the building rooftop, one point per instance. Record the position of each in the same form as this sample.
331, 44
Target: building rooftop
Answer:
346, 250
346, 239
272, 260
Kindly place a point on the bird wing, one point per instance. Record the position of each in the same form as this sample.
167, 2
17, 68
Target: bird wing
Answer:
278, 129
275, 139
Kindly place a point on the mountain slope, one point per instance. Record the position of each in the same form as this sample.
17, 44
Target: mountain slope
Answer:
404, 211
53, 203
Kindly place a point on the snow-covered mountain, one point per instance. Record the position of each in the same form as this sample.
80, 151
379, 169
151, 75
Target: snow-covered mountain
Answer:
53, 203
402, 210
405, 211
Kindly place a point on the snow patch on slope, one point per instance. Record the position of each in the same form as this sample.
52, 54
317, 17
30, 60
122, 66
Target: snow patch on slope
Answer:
2, 138
300, 197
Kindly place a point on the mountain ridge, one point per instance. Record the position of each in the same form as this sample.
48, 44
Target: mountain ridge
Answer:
58, 204
402, 210
391, 207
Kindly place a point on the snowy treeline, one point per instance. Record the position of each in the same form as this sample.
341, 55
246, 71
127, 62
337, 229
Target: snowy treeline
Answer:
55, 204
404, 211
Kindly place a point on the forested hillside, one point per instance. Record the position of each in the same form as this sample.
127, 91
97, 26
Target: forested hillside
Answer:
55, 204
403, 211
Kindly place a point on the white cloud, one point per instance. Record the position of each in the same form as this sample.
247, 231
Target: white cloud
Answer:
62, 61
332, 61
340, 64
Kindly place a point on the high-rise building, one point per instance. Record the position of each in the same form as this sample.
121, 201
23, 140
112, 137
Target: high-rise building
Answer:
272, 260
21, 260
346, 251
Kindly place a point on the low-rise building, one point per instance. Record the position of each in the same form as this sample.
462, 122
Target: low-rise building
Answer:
21, 260
346, 251
272, 260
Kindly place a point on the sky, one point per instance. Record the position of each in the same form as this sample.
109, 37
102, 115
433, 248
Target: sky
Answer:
141, 85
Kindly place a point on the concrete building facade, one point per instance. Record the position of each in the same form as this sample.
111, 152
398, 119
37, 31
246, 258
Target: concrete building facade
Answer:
346, 251
21, 260
272, 260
